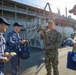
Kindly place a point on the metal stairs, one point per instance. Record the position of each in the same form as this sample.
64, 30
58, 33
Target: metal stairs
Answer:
33, 26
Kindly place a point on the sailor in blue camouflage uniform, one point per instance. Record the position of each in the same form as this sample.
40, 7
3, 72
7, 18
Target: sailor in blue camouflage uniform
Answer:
3, 26
73, 10
73, 35
52, 39
14, 42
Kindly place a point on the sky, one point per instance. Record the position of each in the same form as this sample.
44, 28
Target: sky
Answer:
54, 4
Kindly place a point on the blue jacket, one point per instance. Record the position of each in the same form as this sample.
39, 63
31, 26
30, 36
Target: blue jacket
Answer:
14, 42
2, 46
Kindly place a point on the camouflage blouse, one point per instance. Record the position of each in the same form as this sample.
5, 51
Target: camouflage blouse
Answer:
55, 38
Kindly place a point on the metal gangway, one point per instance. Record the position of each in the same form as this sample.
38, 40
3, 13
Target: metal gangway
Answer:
32, 33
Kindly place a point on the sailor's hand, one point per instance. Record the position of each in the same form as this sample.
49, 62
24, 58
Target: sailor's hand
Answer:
12, 54
24, 42
6, 54
74, 45
41, 32
5, 60
9, 55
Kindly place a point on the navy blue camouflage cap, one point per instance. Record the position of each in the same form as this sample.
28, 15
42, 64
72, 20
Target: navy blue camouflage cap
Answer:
17, 24
2, 20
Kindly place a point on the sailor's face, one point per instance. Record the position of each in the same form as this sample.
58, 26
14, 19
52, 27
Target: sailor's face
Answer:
17, 28
3, 27
74, 13
50, 26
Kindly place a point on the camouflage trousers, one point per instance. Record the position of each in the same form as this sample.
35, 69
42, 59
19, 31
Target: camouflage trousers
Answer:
15, 62
1, 69
51, 61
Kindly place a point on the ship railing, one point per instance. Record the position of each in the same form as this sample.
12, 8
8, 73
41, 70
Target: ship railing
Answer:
33, 26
